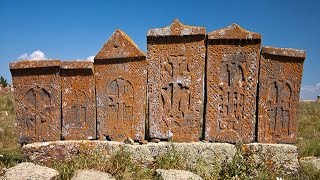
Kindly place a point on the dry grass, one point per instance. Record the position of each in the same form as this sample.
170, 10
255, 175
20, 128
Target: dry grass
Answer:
9, 148
309, 129
120, 165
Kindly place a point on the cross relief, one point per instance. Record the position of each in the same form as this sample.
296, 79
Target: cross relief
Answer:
232, 86
79, 108
175, 90
279, 102
38, 105
121, 100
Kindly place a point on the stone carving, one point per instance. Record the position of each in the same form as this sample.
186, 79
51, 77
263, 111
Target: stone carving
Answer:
232, 74
176, 56
279, 88
78, 100
107, 99
38, 100
121, 78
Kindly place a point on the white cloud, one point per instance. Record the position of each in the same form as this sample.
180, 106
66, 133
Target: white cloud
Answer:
310, 92
90, 58
35, 55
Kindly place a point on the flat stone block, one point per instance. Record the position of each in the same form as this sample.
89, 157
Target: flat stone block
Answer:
121, 82
78, 100
279, 89
37, 100
32, 171
232, 77
176, 57
278, 156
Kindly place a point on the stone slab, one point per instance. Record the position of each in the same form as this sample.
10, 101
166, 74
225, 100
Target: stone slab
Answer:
37, 100
279, 89
172, 174
176, 57
78, 100
47, 152
279, 156
232, 76
92, 175
27, 170
311, 160
121, 78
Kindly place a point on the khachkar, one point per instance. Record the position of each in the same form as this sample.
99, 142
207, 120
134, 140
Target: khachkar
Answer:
78, 100
279, 87
232, 75
37, 100
176, 57
121, 79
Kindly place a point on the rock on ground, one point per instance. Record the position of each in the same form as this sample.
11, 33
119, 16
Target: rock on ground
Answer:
314, 161
32, 171
92, 175
172, 174
280, 157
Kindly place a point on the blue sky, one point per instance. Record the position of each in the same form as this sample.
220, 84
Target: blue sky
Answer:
77, 29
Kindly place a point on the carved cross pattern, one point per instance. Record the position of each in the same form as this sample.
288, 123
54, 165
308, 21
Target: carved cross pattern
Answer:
79, 108
232, 86
286, 105
38, 100
121, 99
274, 106
279, 99
175, 91
279, 108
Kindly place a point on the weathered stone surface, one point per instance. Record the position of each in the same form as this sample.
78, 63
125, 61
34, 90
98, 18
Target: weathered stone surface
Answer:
32, 171
45, 153
121, 77
173, 174
232, 75
279, 88
92, 175
37, 99
311, 160
176, 57
78, 100
279, 157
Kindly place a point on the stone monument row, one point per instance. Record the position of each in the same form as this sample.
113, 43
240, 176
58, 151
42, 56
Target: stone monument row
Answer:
191, 86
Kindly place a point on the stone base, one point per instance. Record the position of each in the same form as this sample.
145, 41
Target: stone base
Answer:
280, 156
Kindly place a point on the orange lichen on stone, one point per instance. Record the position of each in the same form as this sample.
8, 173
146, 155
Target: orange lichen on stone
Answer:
78, 100
120, 45
232, 76
279, 89
37, 100
176, 57
177, 29
234, 31
121, 78
25, 64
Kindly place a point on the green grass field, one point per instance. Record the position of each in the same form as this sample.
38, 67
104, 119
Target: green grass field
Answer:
308, 143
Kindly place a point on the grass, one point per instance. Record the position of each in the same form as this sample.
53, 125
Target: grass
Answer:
309, 129
9, 149
121, 166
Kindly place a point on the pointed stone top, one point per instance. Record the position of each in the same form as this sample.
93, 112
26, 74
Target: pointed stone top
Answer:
290, 52
234, 31
177, 29
24, 64
119, 46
